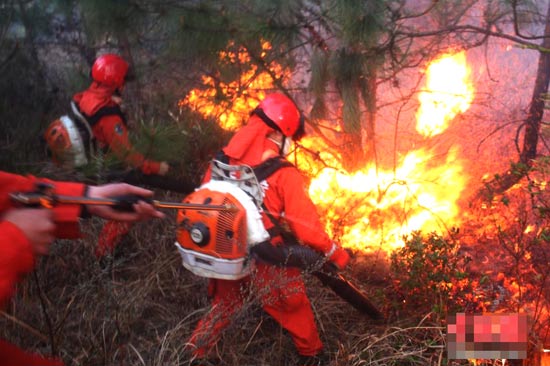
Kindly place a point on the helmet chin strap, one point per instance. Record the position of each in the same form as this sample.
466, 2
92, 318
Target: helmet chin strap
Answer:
278, 143
284, 146
287, 145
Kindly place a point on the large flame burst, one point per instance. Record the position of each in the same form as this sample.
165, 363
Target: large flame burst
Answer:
371, 208
374, 209
447, 93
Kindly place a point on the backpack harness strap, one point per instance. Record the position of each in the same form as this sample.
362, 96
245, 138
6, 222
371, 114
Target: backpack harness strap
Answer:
250, 182
106, 111
85, 123
84, 129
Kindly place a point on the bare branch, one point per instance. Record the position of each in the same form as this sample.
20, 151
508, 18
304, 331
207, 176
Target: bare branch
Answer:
474, 30
516, 25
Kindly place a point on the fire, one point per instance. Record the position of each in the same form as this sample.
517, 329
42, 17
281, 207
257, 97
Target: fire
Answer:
231, 102
375, 208
371, 208
448, 92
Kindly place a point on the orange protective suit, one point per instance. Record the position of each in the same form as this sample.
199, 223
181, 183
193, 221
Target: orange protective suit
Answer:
16, 256
111, 134
281, 291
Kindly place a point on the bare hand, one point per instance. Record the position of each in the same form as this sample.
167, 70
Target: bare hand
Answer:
37, 225
142, 210
164, 168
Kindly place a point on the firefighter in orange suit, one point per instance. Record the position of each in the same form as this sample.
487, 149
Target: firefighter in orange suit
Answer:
268, 133
27, 232
100, 105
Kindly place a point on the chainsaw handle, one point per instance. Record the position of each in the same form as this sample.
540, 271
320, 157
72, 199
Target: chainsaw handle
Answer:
126, 202
331, 267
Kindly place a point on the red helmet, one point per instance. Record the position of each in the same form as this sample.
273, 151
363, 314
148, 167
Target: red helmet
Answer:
110, 69
280, 113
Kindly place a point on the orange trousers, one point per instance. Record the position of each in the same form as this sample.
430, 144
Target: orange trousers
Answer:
282, 294
110, 236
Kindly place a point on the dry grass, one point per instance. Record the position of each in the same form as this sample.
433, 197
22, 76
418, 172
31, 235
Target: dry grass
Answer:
143, 307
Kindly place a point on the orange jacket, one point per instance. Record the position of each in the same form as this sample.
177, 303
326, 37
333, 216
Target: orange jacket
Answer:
16, 256
287, 200
286, 197
111, 131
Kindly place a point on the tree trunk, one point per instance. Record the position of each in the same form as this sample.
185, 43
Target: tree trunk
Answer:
532, 123
40, 82
370, 124
536, 109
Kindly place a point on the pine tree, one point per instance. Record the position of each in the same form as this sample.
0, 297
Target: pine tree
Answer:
340, 52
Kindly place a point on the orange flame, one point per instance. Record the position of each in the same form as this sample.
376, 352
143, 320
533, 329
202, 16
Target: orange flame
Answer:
371, 208
448, 92
374, 209
230, 103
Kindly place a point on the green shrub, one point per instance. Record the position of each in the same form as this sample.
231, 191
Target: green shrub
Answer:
430, 275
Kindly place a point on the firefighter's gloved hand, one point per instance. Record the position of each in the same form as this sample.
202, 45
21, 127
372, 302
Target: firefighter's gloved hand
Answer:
164, 168
338, 256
